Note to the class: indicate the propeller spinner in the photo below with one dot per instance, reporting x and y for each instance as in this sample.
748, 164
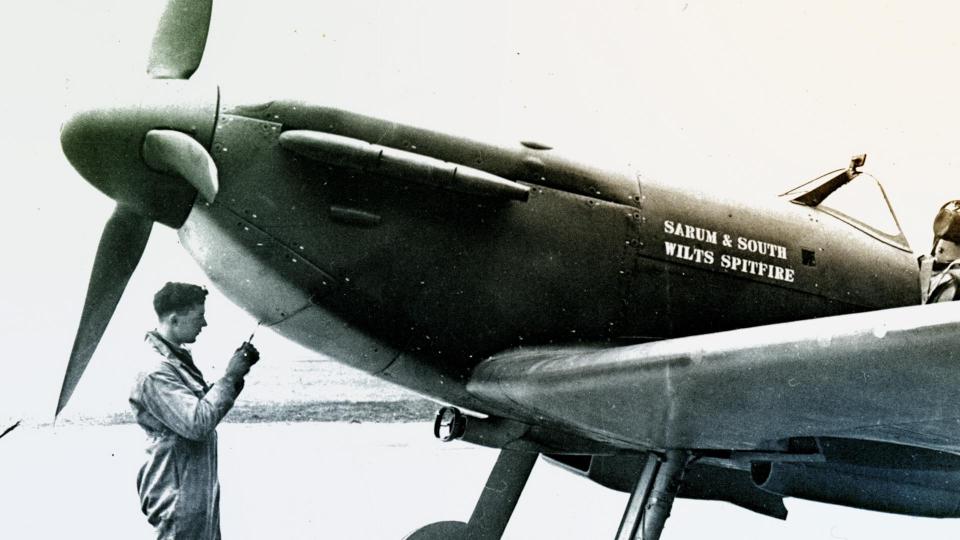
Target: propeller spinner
148, 154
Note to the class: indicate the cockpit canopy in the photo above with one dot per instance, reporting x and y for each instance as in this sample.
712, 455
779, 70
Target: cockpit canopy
856, 198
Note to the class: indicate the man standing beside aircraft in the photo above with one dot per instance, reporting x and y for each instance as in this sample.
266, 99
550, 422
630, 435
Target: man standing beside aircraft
179, 490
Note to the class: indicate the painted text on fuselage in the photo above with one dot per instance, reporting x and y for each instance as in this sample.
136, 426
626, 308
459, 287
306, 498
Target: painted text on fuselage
707, 242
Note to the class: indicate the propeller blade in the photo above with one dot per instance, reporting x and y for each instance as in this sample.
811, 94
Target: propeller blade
180, 39
177, 153
121, 246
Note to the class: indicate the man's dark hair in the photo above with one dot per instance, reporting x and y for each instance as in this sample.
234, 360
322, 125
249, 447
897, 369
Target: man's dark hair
177, 297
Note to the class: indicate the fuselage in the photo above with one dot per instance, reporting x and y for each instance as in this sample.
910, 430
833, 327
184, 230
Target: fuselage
417, 284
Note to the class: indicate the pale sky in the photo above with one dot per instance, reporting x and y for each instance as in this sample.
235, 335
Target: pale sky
750, 98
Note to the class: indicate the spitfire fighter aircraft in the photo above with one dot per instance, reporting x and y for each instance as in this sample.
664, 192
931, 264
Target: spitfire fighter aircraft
645, 337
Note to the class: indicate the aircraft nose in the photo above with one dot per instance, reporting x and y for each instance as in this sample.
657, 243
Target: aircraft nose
146, 150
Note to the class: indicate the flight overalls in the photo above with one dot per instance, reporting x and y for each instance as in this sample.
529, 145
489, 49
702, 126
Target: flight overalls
178, 485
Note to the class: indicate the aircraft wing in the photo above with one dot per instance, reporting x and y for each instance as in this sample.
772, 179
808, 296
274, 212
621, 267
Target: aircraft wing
891, 375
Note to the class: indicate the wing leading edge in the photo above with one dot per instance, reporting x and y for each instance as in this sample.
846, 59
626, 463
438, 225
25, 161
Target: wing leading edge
888, 376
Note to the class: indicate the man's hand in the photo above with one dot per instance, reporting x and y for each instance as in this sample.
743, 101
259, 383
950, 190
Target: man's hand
249, 352
244, 357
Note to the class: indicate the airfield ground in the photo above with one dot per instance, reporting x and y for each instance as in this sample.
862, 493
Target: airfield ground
361, 463
319, 480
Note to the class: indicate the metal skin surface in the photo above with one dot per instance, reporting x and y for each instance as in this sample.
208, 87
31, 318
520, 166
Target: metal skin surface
446, 279
748, 389
441, 280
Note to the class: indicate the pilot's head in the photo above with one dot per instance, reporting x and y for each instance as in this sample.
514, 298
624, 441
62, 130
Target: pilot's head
946, 233
181, 309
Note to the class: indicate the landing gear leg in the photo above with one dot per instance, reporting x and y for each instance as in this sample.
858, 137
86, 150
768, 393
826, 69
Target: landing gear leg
495, 506
651, 500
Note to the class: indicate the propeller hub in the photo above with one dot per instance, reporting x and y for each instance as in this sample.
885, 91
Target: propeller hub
104, 143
